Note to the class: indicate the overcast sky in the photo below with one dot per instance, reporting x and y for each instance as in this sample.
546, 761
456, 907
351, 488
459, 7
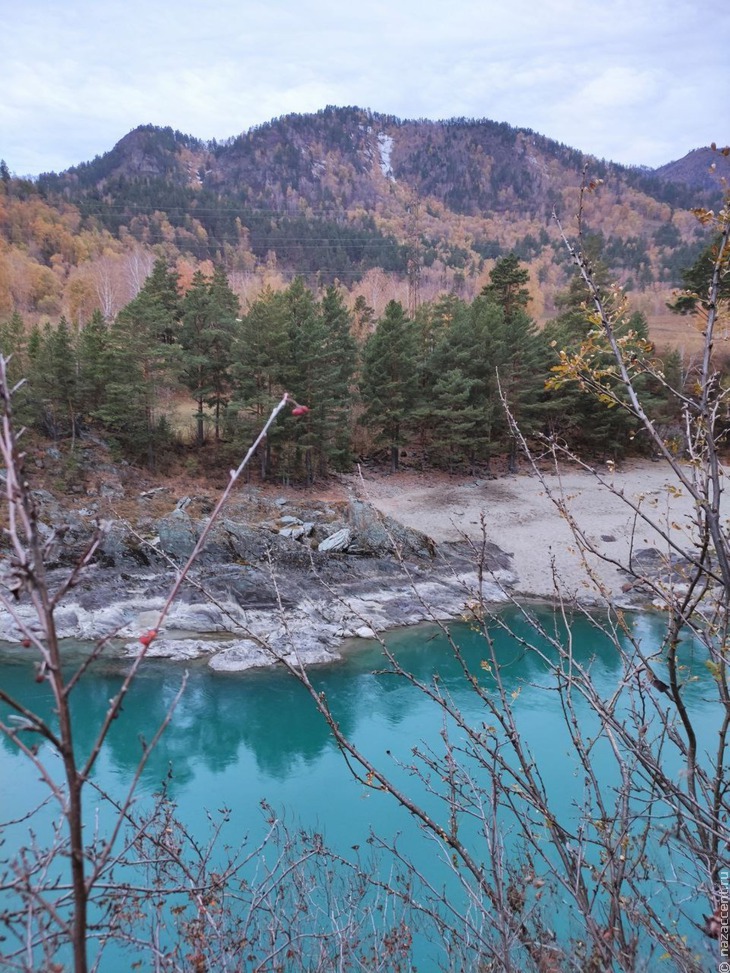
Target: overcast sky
636, 81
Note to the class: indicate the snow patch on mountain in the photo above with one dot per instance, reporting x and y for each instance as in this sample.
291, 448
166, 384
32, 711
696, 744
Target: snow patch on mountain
385, 144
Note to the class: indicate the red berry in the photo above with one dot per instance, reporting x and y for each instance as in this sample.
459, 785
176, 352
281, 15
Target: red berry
148, 637
26, 643
300, 410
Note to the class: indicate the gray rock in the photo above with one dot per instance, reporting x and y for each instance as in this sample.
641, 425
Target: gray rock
378, 535
177, 534
45, 531
113, 490
177, 649
245, 586
197, 618
295, 532
67, 622
45, 498
233, 542
245, 654
252, 575
337, 542
303, 649
119, 548
324, 514
154, 490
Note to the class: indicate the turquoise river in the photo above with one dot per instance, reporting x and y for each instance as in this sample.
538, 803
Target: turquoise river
237, 740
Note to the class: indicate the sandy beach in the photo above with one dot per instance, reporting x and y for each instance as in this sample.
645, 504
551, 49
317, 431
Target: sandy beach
520, 517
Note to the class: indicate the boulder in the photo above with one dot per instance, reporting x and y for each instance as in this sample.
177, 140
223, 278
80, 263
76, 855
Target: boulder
295, 532
337, 542
377, 534
231, 540
178, 535
200, 618
118, 548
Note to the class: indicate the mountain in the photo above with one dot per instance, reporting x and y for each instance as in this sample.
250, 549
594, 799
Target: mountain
346, 189
701, 169
472, 166
345, 194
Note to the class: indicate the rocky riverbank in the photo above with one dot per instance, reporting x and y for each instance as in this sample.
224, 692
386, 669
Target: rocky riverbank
275, 578
304, 573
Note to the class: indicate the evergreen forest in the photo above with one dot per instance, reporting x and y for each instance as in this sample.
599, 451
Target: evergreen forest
185, 371
402, 280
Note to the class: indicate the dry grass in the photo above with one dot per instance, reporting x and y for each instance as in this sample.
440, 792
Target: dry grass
669, 331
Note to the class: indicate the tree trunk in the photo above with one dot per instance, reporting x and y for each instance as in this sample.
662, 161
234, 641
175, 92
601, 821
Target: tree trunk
512, 466
201, 430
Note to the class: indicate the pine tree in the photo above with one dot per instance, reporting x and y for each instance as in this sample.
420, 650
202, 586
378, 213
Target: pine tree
14, 346
696, 281
154, 314
93, 343
225, 308
139, 360
456, 418
195, 318
433, 322
363, 318
389, 382
463, 359
517, 352
519, 360
304, 375
55, 380
506, 285
207, 331
259, 356
340, 363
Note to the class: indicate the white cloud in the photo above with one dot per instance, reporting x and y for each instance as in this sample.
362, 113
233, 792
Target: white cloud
622, 79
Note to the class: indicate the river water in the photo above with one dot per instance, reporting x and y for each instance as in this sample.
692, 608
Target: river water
237, 740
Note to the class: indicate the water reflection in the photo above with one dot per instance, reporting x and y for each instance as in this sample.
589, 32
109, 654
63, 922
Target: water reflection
236, 739
270, 716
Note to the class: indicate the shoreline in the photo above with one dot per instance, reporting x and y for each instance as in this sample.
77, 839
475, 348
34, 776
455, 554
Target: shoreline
522, 520
330, 601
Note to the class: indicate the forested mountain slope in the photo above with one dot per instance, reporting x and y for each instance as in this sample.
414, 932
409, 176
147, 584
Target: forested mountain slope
350, 195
